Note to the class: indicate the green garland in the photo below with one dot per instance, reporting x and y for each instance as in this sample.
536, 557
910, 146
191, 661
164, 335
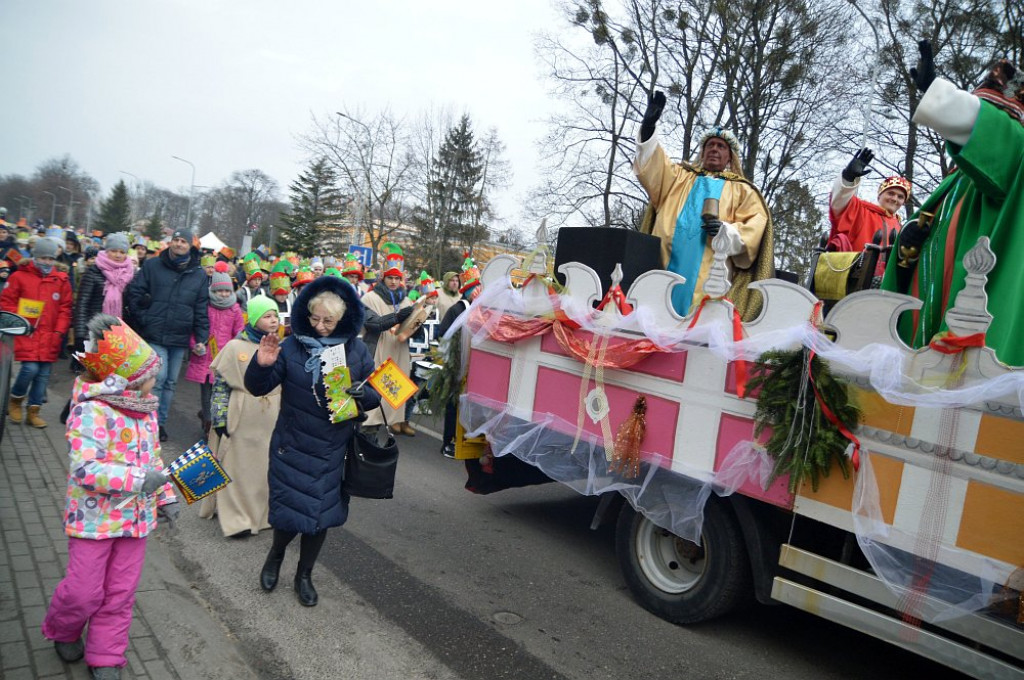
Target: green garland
803, 442
444, 384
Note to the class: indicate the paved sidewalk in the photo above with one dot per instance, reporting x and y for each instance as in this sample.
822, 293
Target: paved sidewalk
173, 634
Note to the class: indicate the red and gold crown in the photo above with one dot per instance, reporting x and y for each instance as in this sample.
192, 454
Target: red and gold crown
304, 276
353, 267
122, 352
895, 181
280, 283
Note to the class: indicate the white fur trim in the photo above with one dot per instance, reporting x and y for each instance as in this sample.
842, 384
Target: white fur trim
644, 150
949, 111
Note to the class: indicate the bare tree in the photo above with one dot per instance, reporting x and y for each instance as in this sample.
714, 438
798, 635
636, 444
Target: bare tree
372, 157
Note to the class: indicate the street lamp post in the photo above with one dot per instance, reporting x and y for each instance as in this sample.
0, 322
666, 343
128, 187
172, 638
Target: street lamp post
875, 68
53, 206
21, 205
71, 203
191, 191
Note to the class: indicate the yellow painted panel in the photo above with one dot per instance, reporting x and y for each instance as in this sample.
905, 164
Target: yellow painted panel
838, 492
1001, 438
993, 523
880, 414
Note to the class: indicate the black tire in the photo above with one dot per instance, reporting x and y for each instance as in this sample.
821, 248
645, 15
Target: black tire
678, 580
6, 366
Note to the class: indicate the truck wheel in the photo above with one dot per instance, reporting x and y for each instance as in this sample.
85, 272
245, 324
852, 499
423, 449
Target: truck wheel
678, 580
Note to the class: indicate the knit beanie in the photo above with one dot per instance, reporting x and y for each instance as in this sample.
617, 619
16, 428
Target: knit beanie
44, 247
221, 281
117, 241
186, 234
258, 306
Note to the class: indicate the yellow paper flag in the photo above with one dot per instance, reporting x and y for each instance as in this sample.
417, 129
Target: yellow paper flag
393, 385
30, 309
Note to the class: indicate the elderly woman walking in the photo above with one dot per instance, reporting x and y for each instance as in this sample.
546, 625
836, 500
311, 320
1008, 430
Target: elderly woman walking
307, 449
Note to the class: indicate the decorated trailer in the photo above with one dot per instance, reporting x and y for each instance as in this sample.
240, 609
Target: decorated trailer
908, 525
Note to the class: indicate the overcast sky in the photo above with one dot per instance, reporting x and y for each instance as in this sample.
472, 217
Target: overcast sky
122, 85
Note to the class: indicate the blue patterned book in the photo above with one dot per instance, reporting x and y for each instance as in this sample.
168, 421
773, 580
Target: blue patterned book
197, 473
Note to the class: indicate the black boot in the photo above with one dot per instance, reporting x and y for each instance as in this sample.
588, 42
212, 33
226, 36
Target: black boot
304, 588
271, 570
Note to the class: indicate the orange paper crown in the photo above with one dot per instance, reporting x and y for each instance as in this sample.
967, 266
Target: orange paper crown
120, 351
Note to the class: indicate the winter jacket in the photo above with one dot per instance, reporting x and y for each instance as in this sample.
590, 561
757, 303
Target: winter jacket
307, 451
225, 324
109, 452
54, 291
89, 300
168, 304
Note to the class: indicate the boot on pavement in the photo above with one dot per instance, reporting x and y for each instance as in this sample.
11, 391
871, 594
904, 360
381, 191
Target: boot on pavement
405, 428
105, 672
304, 588
33, 417
70, 651
14, 409
271, 571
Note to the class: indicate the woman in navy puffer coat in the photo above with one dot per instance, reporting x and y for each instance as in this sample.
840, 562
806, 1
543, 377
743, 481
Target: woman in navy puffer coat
307, 450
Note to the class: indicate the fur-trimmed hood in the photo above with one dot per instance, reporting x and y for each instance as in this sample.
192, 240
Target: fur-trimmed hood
352, 321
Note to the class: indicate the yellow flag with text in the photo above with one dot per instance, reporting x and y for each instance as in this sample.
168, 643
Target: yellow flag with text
392, 384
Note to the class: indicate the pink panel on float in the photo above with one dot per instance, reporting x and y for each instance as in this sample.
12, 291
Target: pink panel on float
731, 431
668, 365
558, 393
489, 375
730, 380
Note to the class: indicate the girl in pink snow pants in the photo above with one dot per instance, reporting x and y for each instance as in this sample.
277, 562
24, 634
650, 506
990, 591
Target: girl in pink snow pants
114, 454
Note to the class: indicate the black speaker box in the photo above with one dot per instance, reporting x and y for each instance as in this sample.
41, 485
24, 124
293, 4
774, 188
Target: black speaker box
601, 248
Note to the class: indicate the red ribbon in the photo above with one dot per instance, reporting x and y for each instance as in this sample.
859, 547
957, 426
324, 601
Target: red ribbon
737, 335
616, 295
831, 417
947, 343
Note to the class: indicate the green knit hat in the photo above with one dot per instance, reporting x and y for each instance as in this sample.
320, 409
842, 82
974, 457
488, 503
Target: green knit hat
258, 306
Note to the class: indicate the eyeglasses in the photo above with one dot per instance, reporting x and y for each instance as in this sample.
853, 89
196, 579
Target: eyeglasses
317, 320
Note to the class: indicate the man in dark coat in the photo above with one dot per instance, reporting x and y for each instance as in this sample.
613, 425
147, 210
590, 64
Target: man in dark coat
307, 450
167, 301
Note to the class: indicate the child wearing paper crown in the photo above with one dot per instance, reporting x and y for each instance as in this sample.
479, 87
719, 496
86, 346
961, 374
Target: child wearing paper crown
243, 424
225, 323
116, 495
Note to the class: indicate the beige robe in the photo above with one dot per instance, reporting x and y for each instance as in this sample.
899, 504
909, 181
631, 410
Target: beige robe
388, 346
243, 505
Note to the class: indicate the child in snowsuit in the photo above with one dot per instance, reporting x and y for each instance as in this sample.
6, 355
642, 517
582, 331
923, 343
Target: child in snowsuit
243, 424
116, 492
225, 323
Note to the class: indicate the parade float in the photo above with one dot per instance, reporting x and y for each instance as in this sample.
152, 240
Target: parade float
816, 462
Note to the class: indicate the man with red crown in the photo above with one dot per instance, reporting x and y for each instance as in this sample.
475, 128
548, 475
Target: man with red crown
856, 222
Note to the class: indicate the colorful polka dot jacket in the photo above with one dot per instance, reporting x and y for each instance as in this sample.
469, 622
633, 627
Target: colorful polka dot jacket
109, 454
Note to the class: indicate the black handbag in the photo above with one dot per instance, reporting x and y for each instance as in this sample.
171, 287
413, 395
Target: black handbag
370, 464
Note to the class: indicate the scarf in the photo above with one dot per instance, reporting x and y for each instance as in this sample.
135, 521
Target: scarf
180, 262
225, 303
251, 333
316, 347
44, 269
386, 294
116, 277
131, 403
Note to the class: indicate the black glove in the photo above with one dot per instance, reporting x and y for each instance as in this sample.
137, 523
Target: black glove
168, 514
222, 431
403, 314
655, 105
356, 392
924, 73
155, 480
858, 165
912, 236
711, 225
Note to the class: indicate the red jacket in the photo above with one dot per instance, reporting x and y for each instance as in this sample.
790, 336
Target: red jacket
54, 291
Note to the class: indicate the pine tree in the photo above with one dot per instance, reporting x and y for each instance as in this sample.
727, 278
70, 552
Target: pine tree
316, 204
115, 212
154, 227
447, 222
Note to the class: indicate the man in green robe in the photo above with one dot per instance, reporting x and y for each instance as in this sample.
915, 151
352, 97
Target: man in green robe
982, 196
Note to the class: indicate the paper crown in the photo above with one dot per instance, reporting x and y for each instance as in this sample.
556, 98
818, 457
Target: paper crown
394, 260
426, 285
120, 351
282, 266
227, 253
470, 275
333, 271
207, 260
895, 181
252, 267
304, 276
280, 283
352, 266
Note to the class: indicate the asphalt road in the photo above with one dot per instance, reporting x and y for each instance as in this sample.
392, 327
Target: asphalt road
441, 583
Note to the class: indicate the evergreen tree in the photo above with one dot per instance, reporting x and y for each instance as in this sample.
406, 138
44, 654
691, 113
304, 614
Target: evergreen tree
316, 204
115, 212
448, 222
154, 226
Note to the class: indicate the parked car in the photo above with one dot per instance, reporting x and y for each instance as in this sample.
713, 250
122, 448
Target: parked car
10, 325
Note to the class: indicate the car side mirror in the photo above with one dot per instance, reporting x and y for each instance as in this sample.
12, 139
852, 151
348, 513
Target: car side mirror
12, 324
